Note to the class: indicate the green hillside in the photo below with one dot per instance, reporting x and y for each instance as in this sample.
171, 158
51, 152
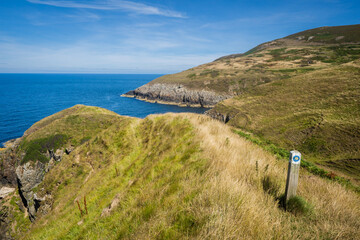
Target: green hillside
297, 54
317, 113
71, 127
174, 176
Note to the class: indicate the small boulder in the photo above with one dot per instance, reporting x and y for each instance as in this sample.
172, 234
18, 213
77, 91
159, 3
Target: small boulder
6, 191
57, 155
68, 150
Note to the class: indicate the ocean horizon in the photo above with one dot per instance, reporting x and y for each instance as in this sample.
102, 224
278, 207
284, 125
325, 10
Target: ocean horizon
29, 97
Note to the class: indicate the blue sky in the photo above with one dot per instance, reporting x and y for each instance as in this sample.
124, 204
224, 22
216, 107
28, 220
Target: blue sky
149, 36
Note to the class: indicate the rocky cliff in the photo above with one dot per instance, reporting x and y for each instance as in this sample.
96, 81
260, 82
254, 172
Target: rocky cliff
9, 161
31, 174
176, 94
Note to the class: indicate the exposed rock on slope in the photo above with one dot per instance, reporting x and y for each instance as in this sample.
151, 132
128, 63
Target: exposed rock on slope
30, 176
176, 94
6, 191
8, 162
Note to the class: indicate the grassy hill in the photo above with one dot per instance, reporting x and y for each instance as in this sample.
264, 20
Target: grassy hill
300, 91
283, 58
71, 127
314, 108
317, 113
174, 176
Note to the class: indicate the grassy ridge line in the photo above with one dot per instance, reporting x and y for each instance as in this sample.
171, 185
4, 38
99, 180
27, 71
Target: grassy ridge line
337, 34
77, 121
283, 154
184, 176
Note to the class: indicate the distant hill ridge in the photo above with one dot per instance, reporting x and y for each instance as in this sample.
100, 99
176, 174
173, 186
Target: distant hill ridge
348, 34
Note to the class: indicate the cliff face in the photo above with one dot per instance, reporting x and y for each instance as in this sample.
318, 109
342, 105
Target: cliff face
176, 94
30, 175
8, 163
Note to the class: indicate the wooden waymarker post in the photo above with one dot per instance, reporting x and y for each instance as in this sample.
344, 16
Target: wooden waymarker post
293, 174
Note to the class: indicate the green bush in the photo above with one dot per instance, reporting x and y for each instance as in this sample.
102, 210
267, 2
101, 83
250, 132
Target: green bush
210, 72
298, 206
35, 149
193, 75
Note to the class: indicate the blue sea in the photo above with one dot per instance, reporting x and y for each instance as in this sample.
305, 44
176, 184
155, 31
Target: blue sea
27, 98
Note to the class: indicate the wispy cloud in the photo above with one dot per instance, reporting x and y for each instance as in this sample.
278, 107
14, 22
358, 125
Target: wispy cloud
82, 57
129, 6
77, 16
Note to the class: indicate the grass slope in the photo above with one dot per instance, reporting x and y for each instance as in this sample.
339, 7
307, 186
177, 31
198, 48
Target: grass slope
317, 113
71, 127
184, 176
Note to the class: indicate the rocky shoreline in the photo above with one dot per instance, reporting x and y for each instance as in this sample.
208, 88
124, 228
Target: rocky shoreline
176, 94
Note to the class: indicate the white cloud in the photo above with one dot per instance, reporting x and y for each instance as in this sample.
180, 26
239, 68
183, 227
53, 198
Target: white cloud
129, 6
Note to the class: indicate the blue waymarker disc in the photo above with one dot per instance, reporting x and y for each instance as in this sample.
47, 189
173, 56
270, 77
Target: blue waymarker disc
296, 158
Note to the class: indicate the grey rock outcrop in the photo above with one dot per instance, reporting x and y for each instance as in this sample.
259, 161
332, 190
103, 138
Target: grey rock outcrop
176, 94
8, 162
68, 150
219, 116
30, 176
57, 155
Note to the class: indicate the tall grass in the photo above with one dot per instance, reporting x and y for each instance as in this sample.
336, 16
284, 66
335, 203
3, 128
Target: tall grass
185, 176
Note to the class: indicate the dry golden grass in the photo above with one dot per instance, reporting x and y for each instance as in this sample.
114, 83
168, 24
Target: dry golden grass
240, 209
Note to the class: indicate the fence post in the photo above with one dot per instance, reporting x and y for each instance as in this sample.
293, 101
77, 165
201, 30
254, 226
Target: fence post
293, 174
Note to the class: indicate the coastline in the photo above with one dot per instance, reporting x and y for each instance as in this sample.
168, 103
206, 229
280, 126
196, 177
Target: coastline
8, 143
177, 94
167, 102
